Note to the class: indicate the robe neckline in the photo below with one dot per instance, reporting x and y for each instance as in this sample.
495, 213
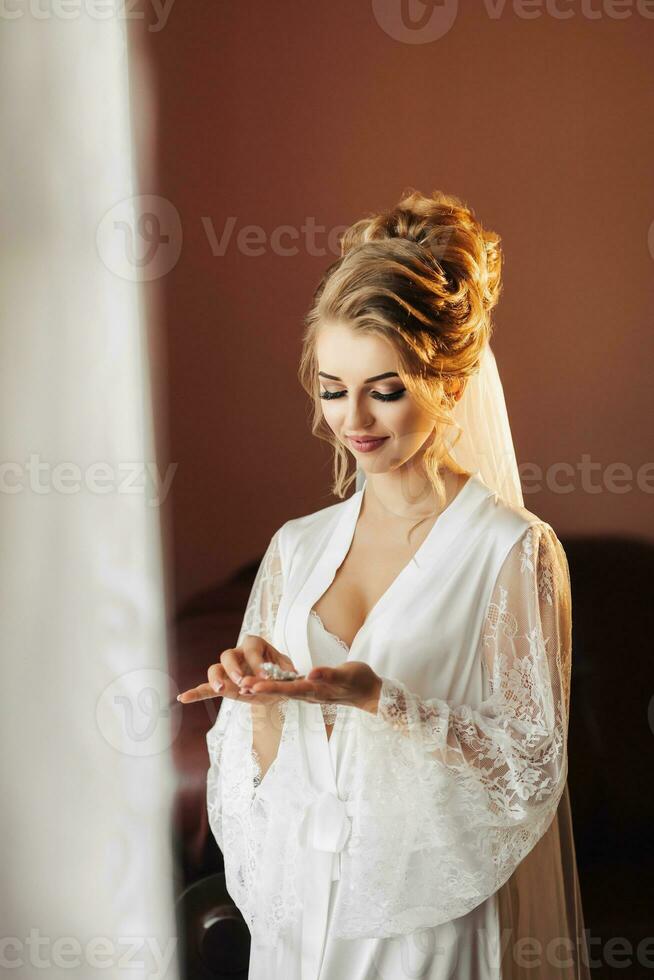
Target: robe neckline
440, 536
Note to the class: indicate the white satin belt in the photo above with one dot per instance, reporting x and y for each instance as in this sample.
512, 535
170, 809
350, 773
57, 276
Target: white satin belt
324, 830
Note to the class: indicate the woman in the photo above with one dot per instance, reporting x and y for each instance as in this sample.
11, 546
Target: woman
401, 807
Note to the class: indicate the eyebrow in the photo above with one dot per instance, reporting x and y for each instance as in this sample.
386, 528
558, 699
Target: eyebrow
377, 377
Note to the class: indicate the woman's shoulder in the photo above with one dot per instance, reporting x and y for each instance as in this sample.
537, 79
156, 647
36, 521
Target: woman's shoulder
523, 542
514, 521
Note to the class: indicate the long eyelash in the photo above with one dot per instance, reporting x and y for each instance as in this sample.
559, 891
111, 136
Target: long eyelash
391, 397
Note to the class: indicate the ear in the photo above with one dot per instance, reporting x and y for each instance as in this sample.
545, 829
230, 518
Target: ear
457, 389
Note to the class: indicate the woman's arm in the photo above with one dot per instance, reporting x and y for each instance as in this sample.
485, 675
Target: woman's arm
514, 745
259, 620
241, 748
252, 731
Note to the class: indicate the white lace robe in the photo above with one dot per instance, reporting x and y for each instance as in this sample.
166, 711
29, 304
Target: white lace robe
428, 808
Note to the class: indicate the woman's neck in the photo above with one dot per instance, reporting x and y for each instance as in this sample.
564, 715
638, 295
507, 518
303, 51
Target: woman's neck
408, 495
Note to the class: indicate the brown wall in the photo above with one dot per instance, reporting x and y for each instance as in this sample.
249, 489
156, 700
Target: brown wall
275, 114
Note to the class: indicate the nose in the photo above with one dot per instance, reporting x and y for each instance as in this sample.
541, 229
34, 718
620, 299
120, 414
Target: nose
358, 416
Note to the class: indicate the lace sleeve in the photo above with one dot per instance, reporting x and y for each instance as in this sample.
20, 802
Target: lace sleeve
245, 736
513, 746
254, 817
485, 781
265, 595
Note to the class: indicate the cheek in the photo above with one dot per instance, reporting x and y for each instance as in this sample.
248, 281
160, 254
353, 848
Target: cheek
332, 413
406, 418
411, 427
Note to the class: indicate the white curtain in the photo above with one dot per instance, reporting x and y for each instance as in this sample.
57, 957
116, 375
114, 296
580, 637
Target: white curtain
85, 723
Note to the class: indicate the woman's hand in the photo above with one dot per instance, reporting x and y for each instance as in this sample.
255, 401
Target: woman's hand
354, 683
224, 679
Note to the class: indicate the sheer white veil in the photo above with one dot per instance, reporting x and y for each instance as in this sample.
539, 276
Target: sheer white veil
485, 445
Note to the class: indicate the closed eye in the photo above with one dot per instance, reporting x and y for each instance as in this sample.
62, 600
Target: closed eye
392, 396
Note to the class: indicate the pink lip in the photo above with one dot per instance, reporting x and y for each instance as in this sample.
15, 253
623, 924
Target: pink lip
366, 445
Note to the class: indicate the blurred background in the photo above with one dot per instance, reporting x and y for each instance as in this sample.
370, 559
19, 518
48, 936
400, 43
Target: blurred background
278, 126
175, 180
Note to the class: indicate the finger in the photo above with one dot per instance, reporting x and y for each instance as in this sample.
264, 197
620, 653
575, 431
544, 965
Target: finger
199, 693
233, 660
258, 656
246, 660
334, 679
330, 675
205, 691
286, 663
292, 689
256, 651
262, 676
219, 680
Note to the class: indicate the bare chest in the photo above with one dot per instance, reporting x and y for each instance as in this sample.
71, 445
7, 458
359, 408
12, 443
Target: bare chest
370, 567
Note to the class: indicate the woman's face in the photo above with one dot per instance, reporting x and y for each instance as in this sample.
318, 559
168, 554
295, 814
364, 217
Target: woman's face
363, 395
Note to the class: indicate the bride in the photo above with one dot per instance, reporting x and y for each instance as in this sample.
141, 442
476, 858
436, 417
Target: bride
388, 778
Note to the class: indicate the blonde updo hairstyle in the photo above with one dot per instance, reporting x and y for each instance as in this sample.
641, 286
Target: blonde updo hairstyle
425, 275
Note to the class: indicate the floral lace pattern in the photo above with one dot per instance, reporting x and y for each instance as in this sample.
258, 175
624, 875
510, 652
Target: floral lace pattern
257, 838
446, 798
501, 767
241, 819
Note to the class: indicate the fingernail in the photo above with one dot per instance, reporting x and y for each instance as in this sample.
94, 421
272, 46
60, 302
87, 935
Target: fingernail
236, 677
217, 685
